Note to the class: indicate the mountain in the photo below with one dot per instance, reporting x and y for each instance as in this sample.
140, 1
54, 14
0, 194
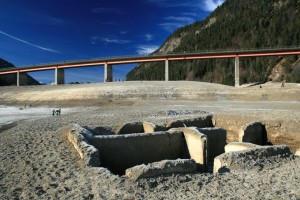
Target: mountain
237, 24
11, 79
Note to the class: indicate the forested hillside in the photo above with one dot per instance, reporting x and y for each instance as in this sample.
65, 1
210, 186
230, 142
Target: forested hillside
237, 24
11, 79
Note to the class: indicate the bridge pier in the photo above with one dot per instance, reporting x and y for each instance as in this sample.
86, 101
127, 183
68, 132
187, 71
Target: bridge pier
166, 70
108, 73
237, 72
59, 76
21, 79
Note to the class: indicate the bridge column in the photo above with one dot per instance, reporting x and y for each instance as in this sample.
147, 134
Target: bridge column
59, 76
21, 79
18, 78
166, 70
108, 75
237, 72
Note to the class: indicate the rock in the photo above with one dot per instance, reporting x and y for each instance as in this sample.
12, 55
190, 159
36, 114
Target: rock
248, 159
163, 167
254, 133
239, 146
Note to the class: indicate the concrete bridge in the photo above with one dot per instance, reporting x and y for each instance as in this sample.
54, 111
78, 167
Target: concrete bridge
109, 62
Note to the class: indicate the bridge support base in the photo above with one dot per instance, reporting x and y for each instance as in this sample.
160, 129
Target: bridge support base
166, 70
59, 76
21, 79
237, 72
108, 73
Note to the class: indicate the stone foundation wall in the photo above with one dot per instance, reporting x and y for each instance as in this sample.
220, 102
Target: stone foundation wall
119, 152
216, 141
77, 136
247, 159
196, 145
254, 133
163, 167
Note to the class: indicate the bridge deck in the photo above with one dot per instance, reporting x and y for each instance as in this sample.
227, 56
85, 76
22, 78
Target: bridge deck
153, 58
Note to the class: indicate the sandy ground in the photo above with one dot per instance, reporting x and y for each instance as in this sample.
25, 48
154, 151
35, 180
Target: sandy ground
37, 162
12, 114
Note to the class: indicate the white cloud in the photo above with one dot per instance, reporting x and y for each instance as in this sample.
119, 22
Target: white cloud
149, 37
174, 23
28, 43
211, 5
171, 26
108, 40
123, 32
146, 49
186, 20
114, 40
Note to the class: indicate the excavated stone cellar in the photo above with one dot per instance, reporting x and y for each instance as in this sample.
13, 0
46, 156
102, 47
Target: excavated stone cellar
144, 149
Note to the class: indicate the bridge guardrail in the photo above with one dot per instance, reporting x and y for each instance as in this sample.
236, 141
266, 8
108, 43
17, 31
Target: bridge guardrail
156, 55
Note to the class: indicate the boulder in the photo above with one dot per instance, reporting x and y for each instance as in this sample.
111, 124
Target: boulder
163, 167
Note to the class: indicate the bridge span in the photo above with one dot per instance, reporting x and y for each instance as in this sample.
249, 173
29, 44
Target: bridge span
109, 62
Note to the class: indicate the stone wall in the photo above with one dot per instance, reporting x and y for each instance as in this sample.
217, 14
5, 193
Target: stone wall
200, 122
216, 141
239, 146
79, 137
164, 167
119, 152
254, 133
247, 159
196, 145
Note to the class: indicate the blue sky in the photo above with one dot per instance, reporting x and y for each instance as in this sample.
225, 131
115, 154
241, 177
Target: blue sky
43, 31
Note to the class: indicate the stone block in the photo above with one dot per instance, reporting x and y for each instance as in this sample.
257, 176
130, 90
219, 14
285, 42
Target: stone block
196, 145
163, 167
254, 133
247, 159
239, 146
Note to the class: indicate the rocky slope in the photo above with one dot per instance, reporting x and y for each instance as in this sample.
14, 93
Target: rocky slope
237, 24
